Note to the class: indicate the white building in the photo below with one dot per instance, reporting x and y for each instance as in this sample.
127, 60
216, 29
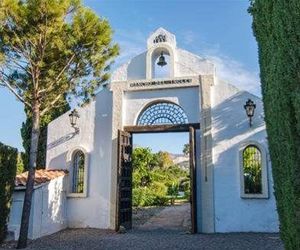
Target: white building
190, 97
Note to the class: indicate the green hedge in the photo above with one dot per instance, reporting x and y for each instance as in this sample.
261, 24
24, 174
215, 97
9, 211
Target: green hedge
8, 166
276, 26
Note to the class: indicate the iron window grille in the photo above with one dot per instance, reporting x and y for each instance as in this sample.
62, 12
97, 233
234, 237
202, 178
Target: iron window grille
78, 172
252, 169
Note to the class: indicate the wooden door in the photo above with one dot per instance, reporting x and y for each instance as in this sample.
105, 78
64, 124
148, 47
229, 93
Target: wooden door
124, 181
193, 179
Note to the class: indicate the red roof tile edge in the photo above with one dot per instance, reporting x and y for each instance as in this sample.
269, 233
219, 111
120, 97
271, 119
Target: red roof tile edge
41, 176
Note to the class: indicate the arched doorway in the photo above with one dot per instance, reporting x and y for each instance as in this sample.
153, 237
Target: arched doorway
156, 117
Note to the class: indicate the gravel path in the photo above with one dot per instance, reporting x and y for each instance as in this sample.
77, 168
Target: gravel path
154, 239
166, 228
171, 217
140, 215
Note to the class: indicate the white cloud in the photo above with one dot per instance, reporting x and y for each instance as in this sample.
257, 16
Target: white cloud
188, 37
235, 73
228, 68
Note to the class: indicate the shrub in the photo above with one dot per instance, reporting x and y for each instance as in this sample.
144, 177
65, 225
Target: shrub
161, 201
137, 196
154, 195
8, 166
173, 192
153, 176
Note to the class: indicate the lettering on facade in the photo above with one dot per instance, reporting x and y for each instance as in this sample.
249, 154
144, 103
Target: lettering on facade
160, 39
156, 83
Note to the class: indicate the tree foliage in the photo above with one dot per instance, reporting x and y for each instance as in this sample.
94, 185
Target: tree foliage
252, 170
53, 48
8, 166
156, 178
186, 149
276, 25
164, 159
20, 163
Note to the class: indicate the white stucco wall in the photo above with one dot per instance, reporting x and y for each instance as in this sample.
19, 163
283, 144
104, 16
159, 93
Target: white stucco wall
95, 138
188, 64
14, 220
136, 68
230, 128
48, 210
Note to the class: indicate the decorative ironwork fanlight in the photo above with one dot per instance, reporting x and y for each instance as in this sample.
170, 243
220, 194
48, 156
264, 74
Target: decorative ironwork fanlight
162, 60
162, 113
250, 108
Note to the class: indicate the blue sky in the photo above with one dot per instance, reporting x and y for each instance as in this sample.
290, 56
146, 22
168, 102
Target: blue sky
217, 29
170, 142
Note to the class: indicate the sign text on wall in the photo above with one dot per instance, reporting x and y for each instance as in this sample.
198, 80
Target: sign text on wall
162, 82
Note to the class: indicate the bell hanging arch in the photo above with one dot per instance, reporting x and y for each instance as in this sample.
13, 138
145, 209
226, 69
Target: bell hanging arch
162, 113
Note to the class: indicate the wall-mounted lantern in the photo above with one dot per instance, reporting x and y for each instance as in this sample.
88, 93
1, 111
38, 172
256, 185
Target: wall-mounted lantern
161, 60
73, 119
250, 108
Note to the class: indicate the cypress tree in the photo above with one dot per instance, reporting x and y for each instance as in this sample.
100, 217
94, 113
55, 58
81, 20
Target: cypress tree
276, 26
26, 134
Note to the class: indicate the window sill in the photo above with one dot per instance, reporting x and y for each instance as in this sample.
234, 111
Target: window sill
75, 195
254, 196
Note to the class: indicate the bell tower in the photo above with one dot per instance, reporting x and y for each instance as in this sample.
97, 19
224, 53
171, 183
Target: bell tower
160, 44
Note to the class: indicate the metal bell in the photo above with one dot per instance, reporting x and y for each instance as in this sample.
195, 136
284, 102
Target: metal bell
161, 61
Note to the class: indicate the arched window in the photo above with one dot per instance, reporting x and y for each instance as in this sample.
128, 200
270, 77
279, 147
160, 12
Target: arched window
254, 172
78, 172
252, 167
162, 113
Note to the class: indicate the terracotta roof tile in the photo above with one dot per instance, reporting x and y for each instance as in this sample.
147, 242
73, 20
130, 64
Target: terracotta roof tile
41, 176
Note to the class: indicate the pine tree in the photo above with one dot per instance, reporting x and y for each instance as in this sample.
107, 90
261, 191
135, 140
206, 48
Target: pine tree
48, 50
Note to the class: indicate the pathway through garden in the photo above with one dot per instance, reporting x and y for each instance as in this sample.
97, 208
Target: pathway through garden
175, 217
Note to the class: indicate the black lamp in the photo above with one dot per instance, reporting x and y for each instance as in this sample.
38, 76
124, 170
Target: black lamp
250, 107
73, 119
161, 61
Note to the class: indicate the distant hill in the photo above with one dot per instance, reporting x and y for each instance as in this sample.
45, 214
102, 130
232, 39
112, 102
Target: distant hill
181, 160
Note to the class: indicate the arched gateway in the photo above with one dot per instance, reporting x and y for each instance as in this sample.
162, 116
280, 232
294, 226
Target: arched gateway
189, 98
158, 116
144, 104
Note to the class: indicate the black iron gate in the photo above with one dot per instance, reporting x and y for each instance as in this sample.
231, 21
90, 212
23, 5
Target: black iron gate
124, 192
192, 136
